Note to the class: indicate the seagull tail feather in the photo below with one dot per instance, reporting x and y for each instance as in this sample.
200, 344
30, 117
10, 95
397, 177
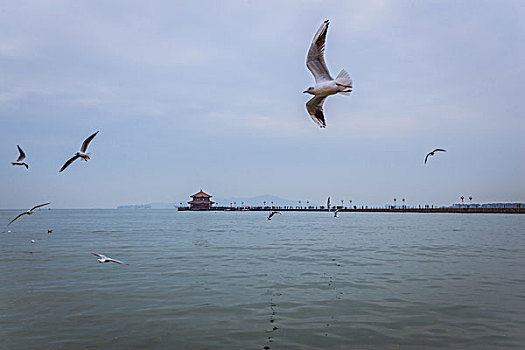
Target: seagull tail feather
343, 78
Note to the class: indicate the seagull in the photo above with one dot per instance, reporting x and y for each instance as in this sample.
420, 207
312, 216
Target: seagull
32, 241
49, 231
82, 154
29, 212
432, 153
105, 259
21, 157
325, 85
273, 213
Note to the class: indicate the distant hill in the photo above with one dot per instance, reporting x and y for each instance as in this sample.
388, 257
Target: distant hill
134, 206
156, 205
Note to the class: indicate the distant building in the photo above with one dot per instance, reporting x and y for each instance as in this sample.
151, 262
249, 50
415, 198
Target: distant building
200, 201
503, 205
489, 205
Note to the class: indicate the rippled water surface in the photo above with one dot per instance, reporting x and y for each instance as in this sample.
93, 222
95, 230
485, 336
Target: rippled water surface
224, 280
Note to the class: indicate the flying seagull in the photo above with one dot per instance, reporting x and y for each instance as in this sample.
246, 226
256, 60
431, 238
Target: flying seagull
273, 213
105, 259
21, 157
82, 154
432, 153
325, 85
29, 212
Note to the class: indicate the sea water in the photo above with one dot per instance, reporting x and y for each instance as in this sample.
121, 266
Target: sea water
235, 280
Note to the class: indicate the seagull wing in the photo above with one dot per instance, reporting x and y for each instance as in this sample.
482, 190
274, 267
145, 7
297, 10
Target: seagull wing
439, 150
19, 215
38, 206
99, 256
116, 261
22, 155
271, 214
86, 142
68, 163
315, 109
428, 154
315, 59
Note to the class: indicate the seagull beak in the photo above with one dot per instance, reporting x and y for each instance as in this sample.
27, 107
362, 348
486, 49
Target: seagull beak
305, 91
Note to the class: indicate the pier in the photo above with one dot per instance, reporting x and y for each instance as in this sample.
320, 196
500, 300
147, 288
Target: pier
373, 210
201, 201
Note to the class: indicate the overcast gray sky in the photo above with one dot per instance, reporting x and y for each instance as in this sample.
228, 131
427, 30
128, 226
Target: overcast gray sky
207, 94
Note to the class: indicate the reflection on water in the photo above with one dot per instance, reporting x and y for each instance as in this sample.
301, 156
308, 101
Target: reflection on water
236, 280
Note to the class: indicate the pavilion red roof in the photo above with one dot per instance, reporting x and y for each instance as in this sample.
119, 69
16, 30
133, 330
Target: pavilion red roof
201, 193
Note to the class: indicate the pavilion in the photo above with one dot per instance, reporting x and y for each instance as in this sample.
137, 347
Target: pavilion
201, 201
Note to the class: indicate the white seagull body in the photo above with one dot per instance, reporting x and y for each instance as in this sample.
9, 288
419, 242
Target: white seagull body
29, 212
325, 85
82, 154
21, 157
105, 259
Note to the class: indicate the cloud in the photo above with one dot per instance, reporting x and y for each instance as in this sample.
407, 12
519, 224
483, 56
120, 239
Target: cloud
169, 81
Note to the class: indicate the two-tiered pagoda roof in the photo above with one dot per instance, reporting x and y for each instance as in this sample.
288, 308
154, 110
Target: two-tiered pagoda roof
201, 197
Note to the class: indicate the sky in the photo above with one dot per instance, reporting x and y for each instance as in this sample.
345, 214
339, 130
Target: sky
208, 94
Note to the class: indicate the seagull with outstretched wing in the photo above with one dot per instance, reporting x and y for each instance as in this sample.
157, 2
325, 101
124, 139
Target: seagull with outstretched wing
29, 212
273, 213
21, 157
433, 152
82, 154
325, 85
105, 259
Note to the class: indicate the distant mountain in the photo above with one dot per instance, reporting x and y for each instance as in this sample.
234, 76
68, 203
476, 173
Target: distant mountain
256, 201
